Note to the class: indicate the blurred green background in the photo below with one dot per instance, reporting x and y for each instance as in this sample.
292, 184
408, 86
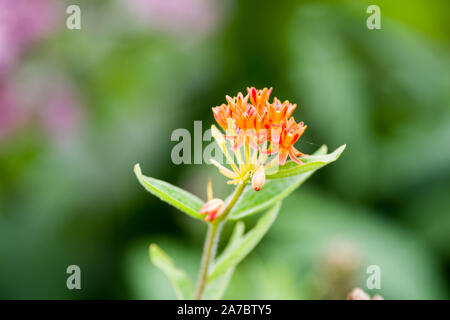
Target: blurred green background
78, 108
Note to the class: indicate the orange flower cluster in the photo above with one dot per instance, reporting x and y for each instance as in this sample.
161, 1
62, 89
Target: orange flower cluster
254, 120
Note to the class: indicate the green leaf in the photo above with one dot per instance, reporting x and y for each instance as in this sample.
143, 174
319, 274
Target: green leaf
180, 282
236, 236
312, 162
177, 197
275, 190
240, 248
216, 288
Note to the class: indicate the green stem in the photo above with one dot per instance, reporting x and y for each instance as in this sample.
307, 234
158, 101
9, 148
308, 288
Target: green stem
211, 240
247, 154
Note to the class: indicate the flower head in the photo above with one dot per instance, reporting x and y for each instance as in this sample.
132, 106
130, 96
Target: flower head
263, 127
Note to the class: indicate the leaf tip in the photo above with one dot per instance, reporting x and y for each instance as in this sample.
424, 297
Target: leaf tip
157, 255
340, 150
137, 169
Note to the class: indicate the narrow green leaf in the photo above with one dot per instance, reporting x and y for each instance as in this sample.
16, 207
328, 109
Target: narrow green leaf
244, 245
177, 197
215, 289
312, 162
275, 190
235, 237
180, 282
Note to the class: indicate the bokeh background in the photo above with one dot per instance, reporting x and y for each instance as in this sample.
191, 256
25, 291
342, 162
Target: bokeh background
78, 108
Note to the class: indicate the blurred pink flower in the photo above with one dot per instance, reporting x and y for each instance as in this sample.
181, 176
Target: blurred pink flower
21, 22
50, 102
61, 114
178, 16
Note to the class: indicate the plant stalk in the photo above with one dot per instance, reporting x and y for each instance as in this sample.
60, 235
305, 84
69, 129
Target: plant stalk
211, 240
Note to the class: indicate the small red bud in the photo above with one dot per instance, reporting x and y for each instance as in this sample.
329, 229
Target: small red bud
213, 209
358, 294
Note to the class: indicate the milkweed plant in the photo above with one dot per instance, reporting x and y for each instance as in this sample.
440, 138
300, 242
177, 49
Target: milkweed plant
257, 138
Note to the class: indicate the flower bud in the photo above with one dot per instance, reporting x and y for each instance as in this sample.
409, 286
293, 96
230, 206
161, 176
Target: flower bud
358, 294
213, 209
258, 179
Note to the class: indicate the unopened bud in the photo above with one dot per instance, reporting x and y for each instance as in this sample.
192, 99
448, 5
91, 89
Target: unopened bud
358, 294
213, 209
258, 179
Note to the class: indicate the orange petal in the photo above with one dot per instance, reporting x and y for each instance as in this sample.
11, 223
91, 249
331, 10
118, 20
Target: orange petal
293, 157
282, 156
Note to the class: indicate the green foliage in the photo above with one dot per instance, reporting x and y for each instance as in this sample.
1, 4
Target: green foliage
241, 247
177, 197
216, 288
383, 92
181, 283
275, 190
279, 186
313, 162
